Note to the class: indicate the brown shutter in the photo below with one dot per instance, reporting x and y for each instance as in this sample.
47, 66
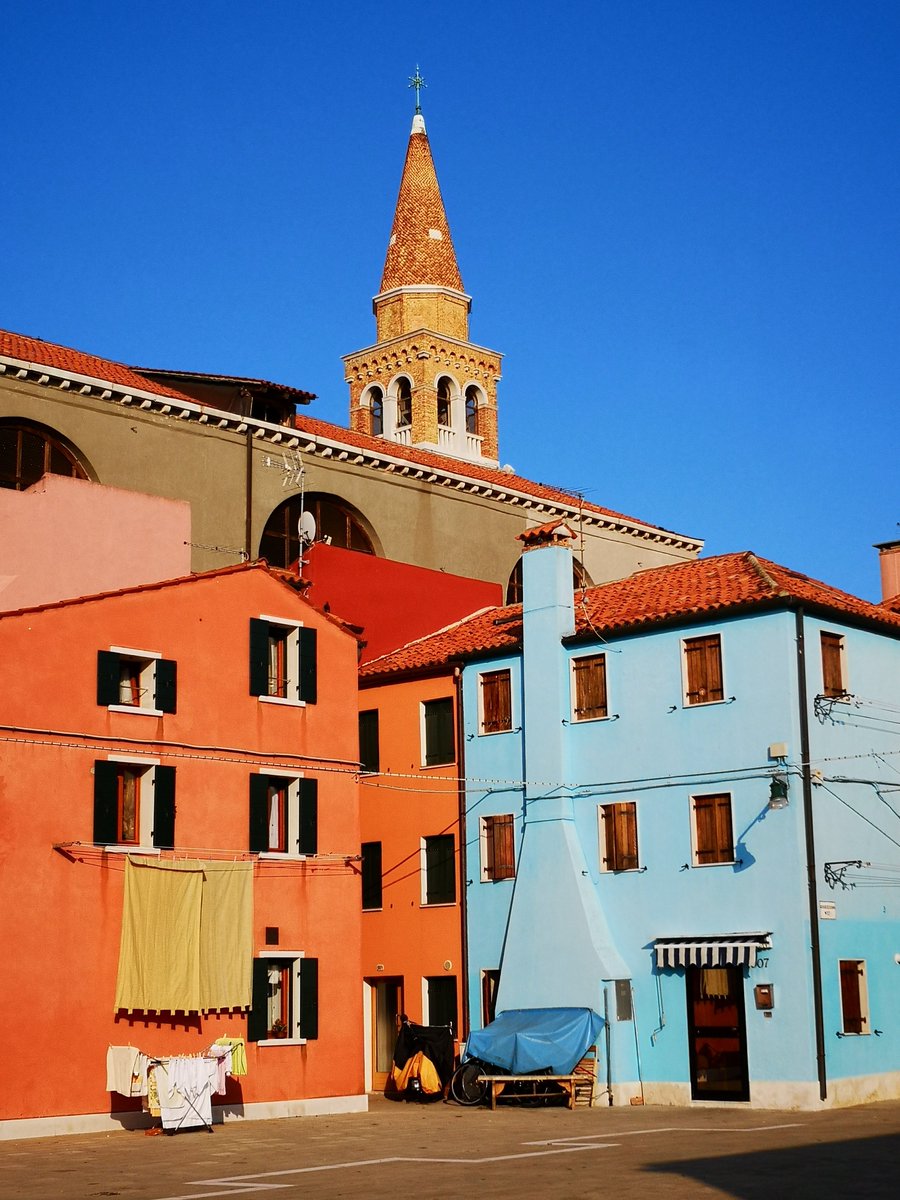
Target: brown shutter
500, 857
851, 1001
590, 687
703, 658
620, 836
713, 831
832, 665
496, 702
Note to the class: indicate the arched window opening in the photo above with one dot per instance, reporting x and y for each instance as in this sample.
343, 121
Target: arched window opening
376, 411
471, 409
443, 402
580, 579
404, 402
28, 452
280, 542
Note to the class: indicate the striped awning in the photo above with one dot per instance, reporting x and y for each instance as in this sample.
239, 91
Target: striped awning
718, 950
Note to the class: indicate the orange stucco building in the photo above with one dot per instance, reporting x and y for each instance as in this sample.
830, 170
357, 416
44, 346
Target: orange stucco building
198, 721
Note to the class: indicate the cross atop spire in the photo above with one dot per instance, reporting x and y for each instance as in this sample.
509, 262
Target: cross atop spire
416, 81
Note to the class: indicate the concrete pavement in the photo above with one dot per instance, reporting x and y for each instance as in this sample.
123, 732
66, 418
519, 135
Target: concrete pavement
442, 1150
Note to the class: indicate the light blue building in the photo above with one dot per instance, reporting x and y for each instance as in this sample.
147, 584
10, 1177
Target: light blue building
683, 810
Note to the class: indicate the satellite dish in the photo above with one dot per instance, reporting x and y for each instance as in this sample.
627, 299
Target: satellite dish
306, 528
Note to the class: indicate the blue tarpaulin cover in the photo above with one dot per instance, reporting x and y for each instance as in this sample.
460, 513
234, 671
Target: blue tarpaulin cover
525, 1040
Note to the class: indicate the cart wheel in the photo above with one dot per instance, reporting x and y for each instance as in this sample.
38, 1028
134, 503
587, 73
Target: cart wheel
467, 1085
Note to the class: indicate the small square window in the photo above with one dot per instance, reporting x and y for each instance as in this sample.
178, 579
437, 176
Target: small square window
589, 688
713, 837
285, 1002
439, 869
135, 681
283, 815
703, 670
618, 837
438, 734
496, 701
498, 856
283, 665
134, 804
833, 682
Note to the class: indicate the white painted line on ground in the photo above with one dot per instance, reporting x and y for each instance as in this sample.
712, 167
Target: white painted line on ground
242, 1185
623, 1133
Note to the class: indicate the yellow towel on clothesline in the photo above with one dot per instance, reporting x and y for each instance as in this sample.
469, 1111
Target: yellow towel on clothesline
238, 1053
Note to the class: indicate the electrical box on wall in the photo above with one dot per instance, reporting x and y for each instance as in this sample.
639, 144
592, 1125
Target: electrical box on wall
764, 995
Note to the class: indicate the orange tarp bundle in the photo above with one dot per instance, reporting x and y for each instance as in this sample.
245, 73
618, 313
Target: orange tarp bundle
418, 1067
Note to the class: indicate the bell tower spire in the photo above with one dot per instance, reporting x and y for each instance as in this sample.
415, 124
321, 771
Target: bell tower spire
424, 383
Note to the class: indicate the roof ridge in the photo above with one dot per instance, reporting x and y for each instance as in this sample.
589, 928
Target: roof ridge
433, 633
764, 575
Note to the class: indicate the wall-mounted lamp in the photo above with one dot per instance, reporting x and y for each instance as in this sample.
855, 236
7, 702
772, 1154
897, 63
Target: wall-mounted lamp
778, 793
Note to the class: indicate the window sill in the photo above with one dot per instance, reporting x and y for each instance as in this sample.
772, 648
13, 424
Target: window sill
641, 870
291, 1041
500, 879
494, 732
280, 856
439, 904
588, 720
120, 849
371, 910
284, 701
136, 709
728, 862
435, 766
702, 703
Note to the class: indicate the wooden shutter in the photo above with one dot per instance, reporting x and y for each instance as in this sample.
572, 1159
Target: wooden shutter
107, 677
499, 834
166, 672
309, 999
368, 740
439, 732
259, 813
164, 807
851, 1000
703, 657
589, 675
307, 675
371, 875
308, 821
713, 831
258, 1016
259, 657
106, 802
496, 706
440, 873
625, 825
832, 665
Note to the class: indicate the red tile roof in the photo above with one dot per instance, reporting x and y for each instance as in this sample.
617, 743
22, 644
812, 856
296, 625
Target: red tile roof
541, 535
75, 362
420, 250
497, 479
700, 589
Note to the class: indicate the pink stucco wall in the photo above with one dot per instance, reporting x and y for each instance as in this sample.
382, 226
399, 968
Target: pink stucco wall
70, 537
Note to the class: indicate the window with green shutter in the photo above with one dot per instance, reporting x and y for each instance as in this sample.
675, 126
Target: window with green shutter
439, 884
438, 732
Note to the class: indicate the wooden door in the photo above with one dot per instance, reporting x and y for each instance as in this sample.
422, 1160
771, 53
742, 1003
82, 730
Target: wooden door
387, 1005
717, 1033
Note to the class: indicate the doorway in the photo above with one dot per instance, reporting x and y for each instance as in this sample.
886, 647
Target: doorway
387, 1005
717, 1034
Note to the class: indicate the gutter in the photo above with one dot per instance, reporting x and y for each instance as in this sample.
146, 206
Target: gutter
814, 943
463, 895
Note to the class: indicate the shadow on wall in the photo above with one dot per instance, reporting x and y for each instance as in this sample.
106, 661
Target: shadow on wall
861, 1167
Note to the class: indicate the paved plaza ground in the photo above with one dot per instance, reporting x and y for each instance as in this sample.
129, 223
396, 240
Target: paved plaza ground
406, 1151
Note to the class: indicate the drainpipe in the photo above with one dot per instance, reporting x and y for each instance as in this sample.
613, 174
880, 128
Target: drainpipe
248, 492
815, 947
463, 895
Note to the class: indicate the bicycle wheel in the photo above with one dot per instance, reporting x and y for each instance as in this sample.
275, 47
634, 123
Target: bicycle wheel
467, 1085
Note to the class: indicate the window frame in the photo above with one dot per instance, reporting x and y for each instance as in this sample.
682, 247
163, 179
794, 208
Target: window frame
427, 876
155, 804
497, 675
300, 816
303, 1003
687, 702
575, 670
493, 868
695, 831
833, 659
861, 1015
424, 706
609, 823
156, 677
446, 983
369, 740
300, 651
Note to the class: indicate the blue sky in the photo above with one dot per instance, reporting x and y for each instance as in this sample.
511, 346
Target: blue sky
678, 221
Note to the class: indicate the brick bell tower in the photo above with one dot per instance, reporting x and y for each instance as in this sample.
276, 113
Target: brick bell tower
424, 383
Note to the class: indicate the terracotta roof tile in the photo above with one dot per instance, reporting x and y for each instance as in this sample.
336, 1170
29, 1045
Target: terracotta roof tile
420, 250
700, 589
62, 358
539, 535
